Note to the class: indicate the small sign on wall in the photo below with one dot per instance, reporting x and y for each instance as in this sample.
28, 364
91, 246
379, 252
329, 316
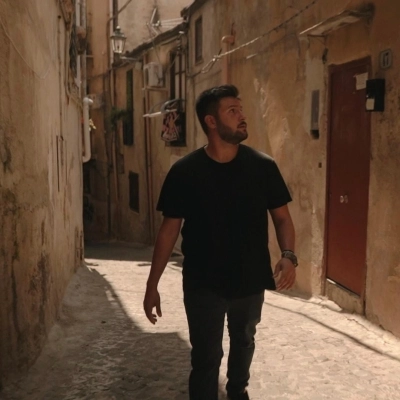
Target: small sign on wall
361, 81
315, 114
386, 59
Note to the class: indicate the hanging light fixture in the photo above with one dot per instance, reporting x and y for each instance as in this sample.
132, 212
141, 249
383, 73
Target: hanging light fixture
118, 40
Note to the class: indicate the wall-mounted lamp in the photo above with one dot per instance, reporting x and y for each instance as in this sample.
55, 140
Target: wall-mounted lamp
118, 40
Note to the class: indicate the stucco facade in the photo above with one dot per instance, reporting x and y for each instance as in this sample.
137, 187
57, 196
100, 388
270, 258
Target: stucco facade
143, 20
150, 156
283, 70
108, 213
40, 174
276, 75
97, 175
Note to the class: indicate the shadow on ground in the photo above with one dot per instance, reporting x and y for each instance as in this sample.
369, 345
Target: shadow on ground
122, 252
96, 351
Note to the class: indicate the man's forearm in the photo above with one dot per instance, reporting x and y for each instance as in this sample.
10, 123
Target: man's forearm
166, 239
285, 234
283, 227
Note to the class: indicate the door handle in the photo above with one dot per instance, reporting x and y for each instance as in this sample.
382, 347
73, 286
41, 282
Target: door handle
344, 199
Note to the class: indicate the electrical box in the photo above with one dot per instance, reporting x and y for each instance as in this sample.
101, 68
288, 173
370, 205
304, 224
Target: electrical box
154, 74
375, 95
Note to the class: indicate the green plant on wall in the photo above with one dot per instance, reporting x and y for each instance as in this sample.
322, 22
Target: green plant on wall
117, 114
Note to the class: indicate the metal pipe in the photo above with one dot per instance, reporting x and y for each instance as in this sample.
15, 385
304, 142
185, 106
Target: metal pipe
148, 157
84, 55
86, 130
226, 41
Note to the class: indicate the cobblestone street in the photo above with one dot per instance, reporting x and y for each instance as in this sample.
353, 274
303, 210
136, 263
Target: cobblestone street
103, 347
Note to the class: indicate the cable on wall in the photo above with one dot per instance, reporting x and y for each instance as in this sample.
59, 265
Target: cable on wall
40, 76
276, 28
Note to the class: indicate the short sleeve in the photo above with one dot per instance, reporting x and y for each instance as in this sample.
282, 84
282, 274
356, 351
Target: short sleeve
172, 198
278, 193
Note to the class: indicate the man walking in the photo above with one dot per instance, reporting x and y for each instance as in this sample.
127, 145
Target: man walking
223, 193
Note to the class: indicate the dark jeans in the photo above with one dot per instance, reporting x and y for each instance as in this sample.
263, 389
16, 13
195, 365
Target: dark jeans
205, 312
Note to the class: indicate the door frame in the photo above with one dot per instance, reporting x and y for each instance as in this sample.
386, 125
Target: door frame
331, 70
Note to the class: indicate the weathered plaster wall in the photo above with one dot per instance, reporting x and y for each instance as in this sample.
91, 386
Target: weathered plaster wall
276, 76
383, 251
272, 88
134, 19
136, 226
97, 221
213, 31
282, 71
354, 42
133, 226
40, 178
108, 211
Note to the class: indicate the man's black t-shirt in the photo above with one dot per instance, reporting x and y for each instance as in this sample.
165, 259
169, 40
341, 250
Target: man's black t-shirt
225, 230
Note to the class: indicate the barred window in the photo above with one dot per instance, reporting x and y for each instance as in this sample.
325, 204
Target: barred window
198, 40
73, 50
128, 131
178, 91
134, 191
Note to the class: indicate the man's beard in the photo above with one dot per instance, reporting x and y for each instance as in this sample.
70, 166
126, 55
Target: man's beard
229, 135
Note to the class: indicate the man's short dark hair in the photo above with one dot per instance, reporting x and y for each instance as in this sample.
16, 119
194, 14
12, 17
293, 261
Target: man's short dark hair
208, 101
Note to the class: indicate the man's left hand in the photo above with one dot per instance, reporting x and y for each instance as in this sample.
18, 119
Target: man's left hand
286, 272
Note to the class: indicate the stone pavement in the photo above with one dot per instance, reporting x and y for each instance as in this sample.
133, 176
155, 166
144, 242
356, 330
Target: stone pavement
104, 348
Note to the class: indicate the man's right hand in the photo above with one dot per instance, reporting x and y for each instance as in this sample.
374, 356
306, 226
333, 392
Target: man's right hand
151, 300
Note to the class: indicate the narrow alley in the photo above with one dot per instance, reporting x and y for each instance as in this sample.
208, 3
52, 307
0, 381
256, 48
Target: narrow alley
103, 347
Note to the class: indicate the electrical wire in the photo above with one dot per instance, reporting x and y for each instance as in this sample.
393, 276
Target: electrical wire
207, 68
40, 76
276, 28
119, 11
154, 45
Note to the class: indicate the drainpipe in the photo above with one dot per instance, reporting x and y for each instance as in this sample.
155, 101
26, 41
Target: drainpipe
83, 56
148, 156
86, 130
86, 101
225, 42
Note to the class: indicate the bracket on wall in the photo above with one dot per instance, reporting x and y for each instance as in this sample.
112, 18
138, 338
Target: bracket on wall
168, 106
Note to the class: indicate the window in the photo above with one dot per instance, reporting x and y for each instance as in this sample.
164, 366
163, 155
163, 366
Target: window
198, 40
128, 138
134, 191
73, 51
176, 121
177, 75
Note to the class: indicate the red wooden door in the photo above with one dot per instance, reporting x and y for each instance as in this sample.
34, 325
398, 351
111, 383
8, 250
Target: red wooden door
348, 176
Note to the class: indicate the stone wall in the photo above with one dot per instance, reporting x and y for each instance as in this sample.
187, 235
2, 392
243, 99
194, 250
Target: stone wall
40, 176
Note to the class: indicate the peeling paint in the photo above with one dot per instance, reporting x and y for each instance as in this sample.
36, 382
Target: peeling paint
37, 250
5, 153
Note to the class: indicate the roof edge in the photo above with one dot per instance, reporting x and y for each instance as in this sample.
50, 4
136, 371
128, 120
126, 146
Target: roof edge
189, 10
159, 39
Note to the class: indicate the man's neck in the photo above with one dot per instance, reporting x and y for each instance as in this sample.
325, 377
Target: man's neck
221, 152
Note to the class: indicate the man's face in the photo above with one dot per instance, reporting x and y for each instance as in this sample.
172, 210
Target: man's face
231, 124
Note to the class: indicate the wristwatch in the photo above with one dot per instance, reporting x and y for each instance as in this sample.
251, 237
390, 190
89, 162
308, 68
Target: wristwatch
291, 256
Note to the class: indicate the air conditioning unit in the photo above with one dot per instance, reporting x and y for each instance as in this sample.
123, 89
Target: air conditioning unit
153, 74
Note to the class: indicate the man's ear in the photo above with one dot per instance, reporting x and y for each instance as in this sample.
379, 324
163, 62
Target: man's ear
210, 121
